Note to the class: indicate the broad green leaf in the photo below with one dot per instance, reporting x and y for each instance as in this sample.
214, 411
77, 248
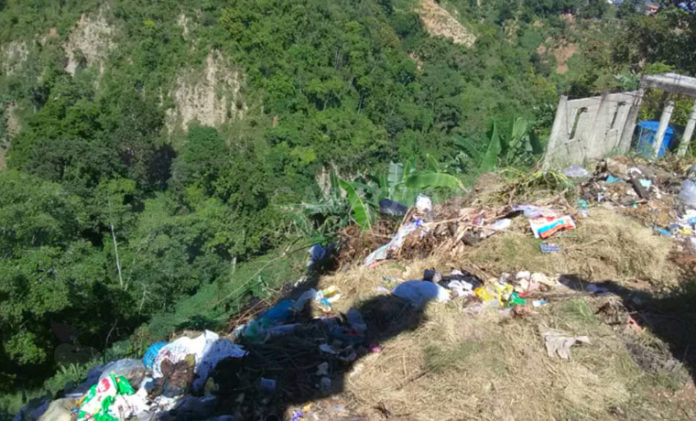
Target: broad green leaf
519, 129
432, 162
333, 180
469, 147
490, 159
409, 167
360, 211
396, 174
428, 179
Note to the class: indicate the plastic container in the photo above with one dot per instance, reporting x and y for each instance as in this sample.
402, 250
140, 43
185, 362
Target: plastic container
646, 137
687, 194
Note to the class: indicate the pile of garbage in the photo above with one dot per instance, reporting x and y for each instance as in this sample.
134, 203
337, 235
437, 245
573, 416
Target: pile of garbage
200, 376
141, 388
661, 197
296, 350
448, 228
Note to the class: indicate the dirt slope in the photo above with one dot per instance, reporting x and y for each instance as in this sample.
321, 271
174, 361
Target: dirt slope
439, 22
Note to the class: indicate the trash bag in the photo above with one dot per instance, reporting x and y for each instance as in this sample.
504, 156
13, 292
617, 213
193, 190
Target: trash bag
317, 253
418, 293
423, 204
396, 242
59, 410
687, 194
256, 330
177, 377
207, 350
133, 370
33, 410
390, 207
559, 343
100, 401
151, 353
576, 171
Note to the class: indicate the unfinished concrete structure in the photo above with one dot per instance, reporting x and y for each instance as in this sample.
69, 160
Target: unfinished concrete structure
591, 128
674, 84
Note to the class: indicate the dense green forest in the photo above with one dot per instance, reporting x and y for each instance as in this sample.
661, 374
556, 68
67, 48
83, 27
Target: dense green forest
153, 149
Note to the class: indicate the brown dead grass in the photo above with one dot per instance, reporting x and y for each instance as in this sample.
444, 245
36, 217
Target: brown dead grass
491, 366
605, 246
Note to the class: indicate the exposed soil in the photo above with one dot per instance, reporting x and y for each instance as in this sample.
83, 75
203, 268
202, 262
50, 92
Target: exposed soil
439, 22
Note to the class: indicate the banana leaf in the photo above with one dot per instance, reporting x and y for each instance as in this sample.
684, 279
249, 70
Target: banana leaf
361, 213
428, 179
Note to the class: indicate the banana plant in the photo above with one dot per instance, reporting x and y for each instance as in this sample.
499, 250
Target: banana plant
516, 144
401, 183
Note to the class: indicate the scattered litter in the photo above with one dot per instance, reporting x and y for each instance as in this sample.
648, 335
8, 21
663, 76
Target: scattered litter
531, 211
269, 385
104, 401
418, 293
539, 303
208, 349
549, 248
396, 242
423, 204
662, 231
524, 274
633, 324
323, 369
325, 383
58, 410
576, 171
559, 343
328, 349
545, 227
356, 321
432, 275
382, 290
484, 294
611, 179
687, 194
151, 354
131, 369
317, 253
392, 208
542, 279
303, 299
461, 288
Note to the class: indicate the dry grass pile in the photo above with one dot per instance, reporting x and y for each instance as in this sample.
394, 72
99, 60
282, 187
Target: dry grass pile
605, 246
465, 363
490, 365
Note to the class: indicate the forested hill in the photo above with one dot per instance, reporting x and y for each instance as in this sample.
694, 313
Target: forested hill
150, 147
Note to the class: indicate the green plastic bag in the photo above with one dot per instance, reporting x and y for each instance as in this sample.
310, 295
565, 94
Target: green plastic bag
96, 404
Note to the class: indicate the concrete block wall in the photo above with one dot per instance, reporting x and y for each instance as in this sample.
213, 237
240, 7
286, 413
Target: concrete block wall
591, 128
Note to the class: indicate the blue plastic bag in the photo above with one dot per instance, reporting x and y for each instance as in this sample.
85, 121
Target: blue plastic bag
151, 354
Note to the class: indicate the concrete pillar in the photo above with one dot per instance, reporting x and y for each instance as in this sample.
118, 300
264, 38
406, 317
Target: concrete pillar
559, 131
688, 132
662, 128
630, 124
601, 123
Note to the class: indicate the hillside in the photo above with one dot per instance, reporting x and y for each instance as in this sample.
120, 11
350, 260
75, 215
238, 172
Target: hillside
613, 281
